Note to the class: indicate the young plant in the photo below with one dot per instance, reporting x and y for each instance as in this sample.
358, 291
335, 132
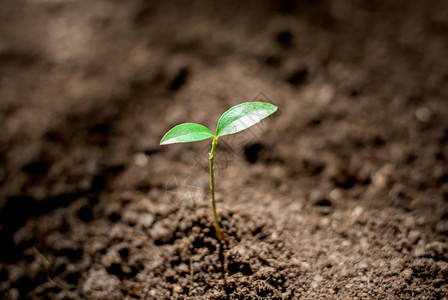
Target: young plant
236, 119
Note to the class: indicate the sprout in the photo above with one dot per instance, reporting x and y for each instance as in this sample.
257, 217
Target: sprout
236, 119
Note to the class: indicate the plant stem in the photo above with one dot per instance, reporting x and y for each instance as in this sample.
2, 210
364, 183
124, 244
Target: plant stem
212, 189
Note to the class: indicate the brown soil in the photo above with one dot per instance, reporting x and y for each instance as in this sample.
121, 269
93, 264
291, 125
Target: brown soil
341, 194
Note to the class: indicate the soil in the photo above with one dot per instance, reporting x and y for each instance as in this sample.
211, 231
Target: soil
343, 193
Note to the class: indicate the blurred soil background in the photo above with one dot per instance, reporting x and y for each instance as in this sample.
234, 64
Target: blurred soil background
341, 194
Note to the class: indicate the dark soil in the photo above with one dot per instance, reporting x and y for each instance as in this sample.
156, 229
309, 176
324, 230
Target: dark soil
341, 194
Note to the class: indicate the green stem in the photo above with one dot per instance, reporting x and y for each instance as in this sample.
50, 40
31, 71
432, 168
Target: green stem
212, 189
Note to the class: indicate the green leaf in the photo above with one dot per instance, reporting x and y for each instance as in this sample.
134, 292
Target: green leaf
186, 132
243, 116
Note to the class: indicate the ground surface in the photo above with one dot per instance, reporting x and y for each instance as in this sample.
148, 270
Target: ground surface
342, 194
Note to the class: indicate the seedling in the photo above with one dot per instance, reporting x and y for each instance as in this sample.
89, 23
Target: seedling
236, 119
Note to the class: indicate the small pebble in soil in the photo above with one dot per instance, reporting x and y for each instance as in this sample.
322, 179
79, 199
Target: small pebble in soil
420, 250
423, 114
442, 227
160, 234
335, 194
382, 178
100, 285
146, 220
177, 289
407, 274
357, 212
363, 265
362, 278
141, 159
318, 278
414, 236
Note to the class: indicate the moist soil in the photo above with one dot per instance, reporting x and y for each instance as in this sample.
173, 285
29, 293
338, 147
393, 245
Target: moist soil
343, 193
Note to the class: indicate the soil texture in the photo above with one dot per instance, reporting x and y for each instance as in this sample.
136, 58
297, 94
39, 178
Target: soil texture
342, 194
